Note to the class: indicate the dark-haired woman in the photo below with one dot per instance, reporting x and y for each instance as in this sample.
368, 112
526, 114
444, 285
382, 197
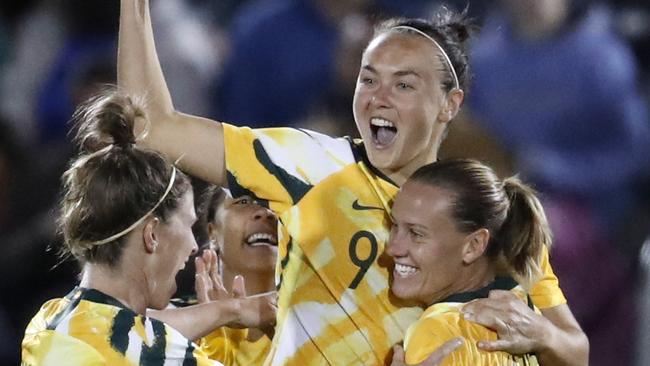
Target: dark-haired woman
459, 232
333, 195
126, 216
245, 236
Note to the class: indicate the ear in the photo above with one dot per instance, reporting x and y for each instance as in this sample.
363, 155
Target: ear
213, 236
451, 106
475, 245
149, 235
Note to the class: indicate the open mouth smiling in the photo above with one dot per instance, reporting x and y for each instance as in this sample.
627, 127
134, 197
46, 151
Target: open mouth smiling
260, 239
383, 132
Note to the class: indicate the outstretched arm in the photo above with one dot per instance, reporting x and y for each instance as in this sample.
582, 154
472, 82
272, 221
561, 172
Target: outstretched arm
199, 320
199, 141
555, 336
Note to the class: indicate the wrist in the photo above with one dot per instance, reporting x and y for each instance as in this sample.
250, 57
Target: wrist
547, 340
234, 309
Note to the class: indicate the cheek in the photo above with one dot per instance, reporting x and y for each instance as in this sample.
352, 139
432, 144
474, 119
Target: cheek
358, 103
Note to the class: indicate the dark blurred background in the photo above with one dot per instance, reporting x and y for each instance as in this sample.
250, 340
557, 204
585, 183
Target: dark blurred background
560, 96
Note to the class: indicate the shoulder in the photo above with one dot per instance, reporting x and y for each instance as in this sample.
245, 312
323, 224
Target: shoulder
289, 146
436, 326
49, 347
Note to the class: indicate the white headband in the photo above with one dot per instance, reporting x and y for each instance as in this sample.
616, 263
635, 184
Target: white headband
140, 220
444, 54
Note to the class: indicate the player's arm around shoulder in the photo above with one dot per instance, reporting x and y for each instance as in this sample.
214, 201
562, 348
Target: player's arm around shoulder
555, 335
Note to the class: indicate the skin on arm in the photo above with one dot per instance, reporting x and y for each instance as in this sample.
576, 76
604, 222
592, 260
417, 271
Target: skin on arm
199, 320
199, 141
555, 336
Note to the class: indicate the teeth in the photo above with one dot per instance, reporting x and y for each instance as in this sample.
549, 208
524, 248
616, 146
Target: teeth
261, 239
380, 122
405, 271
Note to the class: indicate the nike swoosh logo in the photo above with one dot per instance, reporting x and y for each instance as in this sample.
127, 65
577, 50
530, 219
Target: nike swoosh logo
357, 206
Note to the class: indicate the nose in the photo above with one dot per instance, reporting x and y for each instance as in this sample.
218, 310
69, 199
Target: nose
263, 213
379, 98
396, 247
195, 246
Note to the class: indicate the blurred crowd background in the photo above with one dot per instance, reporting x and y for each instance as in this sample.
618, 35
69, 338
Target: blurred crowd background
559, 95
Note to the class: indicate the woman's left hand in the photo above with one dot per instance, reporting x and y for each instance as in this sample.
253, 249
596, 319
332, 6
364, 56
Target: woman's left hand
520, 329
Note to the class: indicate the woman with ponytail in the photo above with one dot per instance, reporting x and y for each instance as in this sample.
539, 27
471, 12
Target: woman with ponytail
458, 233
126, 216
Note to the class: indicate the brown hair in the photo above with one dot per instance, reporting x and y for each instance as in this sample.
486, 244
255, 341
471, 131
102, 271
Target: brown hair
451, 30
509, 209
112, 183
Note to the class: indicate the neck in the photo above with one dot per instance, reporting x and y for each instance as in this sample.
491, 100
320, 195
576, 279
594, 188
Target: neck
127, 289
257, 282
399, 176
473, 277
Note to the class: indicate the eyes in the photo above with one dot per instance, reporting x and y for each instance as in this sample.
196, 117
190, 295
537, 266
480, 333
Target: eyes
404, 86
245, 200
367, 81
399, 85
412, 232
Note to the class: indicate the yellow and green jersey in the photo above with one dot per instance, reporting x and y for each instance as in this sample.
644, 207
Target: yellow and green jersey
88, 327
443, 321
233, 348
335, 305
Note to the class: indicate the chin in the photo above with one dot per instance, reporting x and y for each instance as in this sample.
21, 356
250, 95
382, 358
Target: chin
401, 293
381, 159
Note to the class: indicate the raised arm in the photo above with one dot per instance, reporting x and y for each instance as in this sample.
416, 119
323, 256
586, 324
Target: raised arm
199, 141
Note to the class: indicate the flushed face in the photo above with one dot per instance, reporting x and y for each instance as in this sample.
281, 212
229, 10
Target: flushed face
425, 244
398, 100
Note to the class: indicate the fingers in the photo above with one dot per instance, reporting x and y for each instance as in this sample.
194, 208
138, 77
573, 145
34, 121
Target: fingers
214, 269
201, 289
497, 345
500, 309
206, 256
442, 352
199, 265
398, 356
238, 287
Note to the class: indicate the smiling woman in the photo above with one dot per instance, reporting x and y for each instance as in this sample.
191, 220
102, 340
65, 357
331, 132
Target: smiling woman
458, 233
332, 195
245, 236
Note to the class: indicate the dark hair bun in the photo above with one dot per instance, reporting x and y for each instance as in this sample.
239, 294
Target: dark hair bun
457, 25
106, 119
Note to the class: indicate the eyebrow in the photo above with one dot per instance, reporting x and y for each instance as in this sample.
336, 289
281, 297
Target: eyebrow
396, 73
406, 73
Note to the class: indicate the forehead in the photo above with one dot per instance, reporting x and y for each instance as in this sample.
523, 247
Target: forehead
421, 203
398, 51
